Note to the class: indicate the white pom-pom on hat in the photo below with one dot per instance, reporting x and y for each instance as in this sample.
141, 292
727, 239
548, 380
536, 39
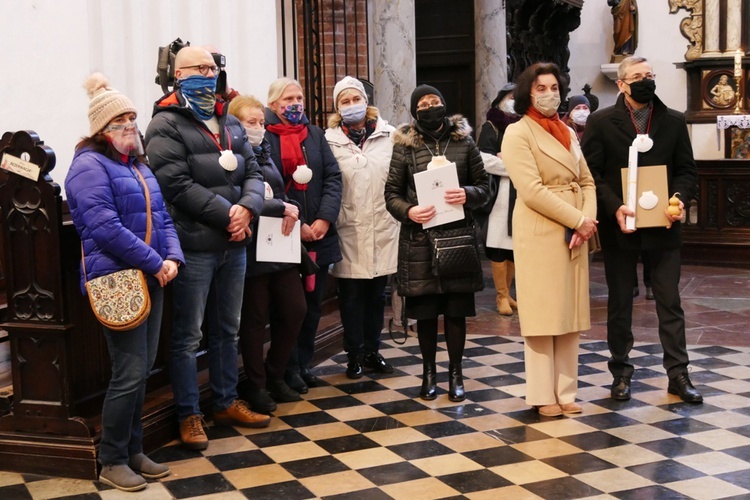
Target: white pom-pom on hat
106, 103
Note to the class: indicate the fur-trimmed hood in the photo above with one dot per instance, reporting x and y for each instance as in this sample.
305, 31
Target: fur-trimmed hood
407, 134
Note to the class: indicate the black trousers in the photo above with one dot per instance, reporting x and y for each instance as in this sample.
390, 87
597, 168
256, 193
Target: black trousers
279, 299
619, 268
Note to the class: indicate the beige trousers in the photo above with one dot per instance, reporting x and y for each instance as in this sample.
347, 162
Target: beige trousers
551, 369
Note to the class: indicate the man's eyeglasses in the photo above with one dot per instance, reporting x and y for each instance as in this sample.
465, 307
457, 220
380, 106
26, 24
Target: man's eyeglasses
203, 69
638, 77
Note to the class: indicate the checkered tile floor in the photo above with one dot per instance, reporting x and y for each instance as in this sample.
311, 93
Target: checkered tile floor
374, 438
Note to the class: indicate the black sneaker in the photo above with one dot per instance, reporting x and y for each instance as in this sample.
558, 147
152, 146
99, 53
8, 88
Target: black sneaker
376, 362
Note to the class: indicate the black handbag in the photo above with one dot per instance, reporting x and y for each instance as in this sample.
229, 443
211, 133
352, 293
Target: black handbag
455, 252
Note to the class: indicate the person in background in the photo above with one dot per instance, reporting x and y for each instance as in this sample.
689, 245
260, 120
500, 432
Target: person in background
273, 290
606, 143
214, 189
495, 217
428, 296
578, 112
106, 190
553, 220
362, 143
312, 179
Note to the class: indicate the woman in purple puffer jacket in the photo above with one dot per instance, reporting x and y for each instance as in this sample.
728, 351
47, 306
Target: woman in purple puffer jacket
105, 191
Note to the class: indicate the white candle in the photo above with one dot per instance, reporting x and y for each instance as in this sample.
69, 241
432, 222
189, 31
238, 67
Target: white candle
632, 185
738, 63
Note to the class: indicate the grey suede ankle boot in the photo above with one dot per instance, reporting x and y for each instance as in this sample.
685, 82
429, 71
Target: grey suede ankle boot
148, 468
121, 477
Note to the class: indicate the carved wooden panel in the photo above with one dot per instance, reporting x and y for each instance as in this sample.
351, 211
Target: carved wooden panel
720, 231
31, 213
539, 30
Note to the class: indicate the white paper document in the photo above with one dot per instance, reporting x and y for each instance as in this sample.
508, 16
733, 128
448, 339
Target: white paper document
273, 246
431, 186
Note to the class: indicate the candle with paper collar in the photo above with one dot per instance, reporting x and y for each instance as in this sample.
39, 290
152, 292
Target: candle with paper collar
738, 63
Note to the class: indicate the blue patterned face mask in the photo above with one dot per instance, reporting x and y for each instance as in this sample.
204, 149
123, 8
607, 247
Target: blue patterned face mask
293, 113
199, 90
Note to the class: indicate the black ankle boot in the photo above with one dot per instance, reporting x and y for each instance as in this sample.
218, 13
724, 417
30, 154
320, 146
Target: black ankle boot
455, 383
429, 382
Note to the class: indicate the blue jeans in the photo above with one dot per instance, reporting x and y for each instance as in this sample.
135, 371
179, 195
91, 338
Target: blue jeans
211, 285
132, 354
362, 305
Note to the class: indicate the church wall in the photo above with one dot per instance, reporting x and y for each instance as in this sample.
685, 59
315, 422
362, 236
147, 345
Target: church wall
659, 41
50, 46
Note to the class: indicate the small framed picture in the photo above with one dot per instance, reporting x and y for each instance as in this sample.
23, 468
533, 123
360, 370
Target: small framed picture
719, 89
737, 143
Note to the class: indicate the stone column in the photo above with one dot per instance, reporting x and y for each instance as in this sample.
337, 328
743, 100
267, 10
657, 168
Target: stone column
491, 54
393, 57
711, 22
734, 26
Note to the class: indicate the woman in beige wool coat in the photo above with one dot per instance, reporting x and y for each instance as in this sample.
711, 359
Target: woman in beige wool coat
553, 220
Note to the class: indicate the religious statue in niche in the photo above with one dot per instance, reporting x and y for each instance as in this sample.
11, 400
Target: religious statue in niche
722, 94
625, 28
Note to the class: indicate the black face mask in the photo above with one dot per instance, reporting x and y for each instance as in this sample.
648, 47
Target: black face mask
643, 91
432, 117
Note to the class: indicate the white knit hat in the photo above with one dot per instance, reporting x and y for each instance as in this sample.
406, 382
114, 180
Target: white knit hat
347, 82
106, 103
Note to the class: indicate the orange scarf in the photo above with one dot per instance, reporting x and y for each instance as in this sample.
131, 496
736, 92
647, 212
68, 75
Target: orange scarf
553, 125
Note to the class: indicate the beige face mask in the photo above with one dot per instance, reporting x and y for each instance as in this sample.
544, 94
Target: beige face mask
547, 103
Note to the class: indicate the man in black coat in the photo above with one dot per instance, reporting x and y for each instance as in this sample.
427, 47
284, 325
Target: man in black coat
609, 134
213, 189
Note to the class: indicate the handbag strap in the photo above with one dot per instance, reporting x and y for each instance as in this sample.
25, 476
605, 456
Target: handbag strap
147, 239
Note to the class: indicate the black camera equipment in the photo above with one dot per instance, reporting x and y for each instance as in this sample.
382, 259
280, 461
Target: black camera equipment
165, 66
221, 80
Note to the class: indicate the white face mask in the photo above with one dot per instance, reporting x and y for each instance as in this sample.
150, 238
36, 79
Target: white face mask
579, 116
255, 135
507, 107
547, 103
354, 114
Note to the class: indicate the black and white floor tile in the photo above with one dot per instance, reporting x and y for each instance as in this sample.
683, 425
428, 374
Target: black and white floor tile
374, 438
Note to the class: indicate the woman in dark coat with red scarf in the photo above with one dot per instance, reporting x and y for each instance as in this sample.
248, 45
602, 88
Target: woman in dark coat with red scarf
312, 179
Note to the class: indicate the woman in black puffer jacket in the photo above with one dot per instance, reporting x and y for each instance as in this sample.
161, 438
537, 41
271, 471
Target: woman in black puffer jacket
427, 296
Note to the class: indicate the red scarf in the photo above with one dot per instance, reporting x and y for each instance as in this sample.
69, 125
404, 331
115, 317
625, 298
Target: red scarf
553, 125
291, 150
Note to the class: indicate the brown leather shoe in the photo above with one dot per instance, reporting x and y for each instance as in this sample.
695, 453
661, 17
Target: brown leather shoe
239, 414
191, 433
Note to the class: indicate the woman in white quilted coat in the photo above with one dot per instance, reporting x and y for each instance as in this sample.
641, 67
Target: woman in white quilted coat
362, 143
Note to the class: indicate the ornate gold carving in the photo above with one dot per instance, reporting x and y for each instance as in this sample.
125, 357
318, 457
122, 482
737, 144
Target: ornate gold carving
691, 27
